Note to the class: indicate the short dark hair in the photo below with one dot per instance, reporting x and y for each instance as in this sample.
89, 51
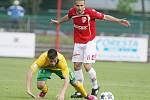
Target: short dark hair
52, 54
79, 0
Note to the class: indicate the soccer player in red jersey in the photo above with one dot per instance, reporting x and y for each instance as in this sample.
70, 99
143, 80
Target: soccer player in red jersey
84, 20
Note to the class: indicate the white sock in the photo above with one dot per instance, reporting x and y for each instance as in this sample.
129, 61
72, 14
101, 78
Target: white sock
92, 75
79, 75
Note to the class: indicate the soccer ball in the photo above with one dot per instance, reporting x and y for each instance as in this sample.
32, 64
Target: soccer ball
106, 96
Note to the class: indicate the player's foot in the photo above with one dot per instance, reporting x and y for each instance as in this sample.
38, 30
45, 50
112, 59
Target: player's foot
95, 91
91, 97
76, 95
41, 95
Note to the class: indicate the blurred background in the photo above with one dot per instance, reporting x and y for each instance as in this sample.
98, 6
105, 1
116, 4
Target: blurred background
36, 14
25, 32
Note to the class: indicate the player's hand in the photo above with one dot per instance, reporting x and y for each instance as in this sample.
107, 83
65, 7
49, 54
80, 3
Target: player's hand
124, 22
30, 94
60, 97
54, 21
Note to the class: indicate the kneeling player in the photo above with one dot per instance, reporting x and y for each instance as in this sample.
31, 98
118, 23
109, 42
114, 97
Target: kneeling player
53, 62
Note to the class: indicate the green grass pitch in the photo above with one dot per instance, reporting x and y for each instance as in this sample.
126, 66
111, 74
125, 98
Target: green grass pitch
127, 81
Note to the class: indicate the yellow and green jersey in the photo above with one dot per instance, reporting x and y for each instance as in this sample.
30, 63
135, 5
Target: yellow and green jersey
43, 63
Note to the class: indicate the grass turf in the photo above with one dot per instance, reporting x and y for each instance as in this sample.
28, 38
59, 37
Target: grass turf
127, 81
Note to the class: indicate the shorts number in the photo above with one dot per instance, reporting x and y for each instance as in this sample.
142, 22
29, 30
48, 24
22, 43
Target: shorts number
91, 57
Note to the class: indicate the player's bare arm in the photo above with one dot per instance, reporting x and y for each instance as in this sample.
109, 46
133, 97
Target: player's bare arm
114, 19
61, 95
63, 19
28, 83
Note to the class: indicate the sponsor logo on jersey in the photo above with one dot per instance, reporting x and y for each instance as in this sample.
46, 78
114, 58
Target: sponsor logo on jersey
84, 19
80, 27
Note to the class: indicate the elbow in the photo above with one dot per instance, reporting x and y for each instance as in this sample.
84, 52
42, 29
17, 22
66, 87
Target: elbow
66, 81
29, 73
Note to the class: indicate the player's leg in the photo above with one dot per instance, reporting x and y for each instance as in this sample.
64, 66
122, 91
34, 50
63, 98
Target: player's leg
78, 72
89, 58
77, 59
42, 77
41, 85
77, 85
79, 77
93, 79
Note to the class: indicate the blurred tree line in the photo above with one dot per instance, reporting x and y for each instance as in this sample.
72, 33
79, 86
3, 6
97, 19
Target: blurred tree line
34, 7
124, 6
37, 6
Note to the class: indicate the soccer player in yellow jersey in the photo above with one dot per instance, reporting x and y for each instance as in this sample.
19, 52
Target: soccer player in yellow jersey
53, 62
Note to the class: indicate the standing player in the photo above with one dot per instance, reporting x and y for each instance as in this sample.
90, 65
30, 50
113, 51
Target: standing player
84, 40
53, 62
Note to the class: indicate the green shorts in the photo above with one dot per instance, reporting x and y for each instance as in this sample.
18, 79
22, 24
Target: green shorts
45, 74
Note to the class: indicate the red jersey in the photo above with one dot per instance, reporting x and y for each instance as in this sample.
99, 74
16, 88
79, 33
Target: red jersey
84, 24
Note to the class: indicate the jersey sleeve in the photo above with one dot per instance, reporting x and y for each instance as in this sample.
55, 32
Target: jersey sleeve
97, 15
70, 13
38, 63
64, 67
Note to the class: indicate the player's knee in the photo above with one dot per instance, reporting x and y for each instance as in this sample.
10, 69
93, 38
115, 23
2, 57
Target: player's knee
73, 82
40, 86
77, 66
76, 84
87, 67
